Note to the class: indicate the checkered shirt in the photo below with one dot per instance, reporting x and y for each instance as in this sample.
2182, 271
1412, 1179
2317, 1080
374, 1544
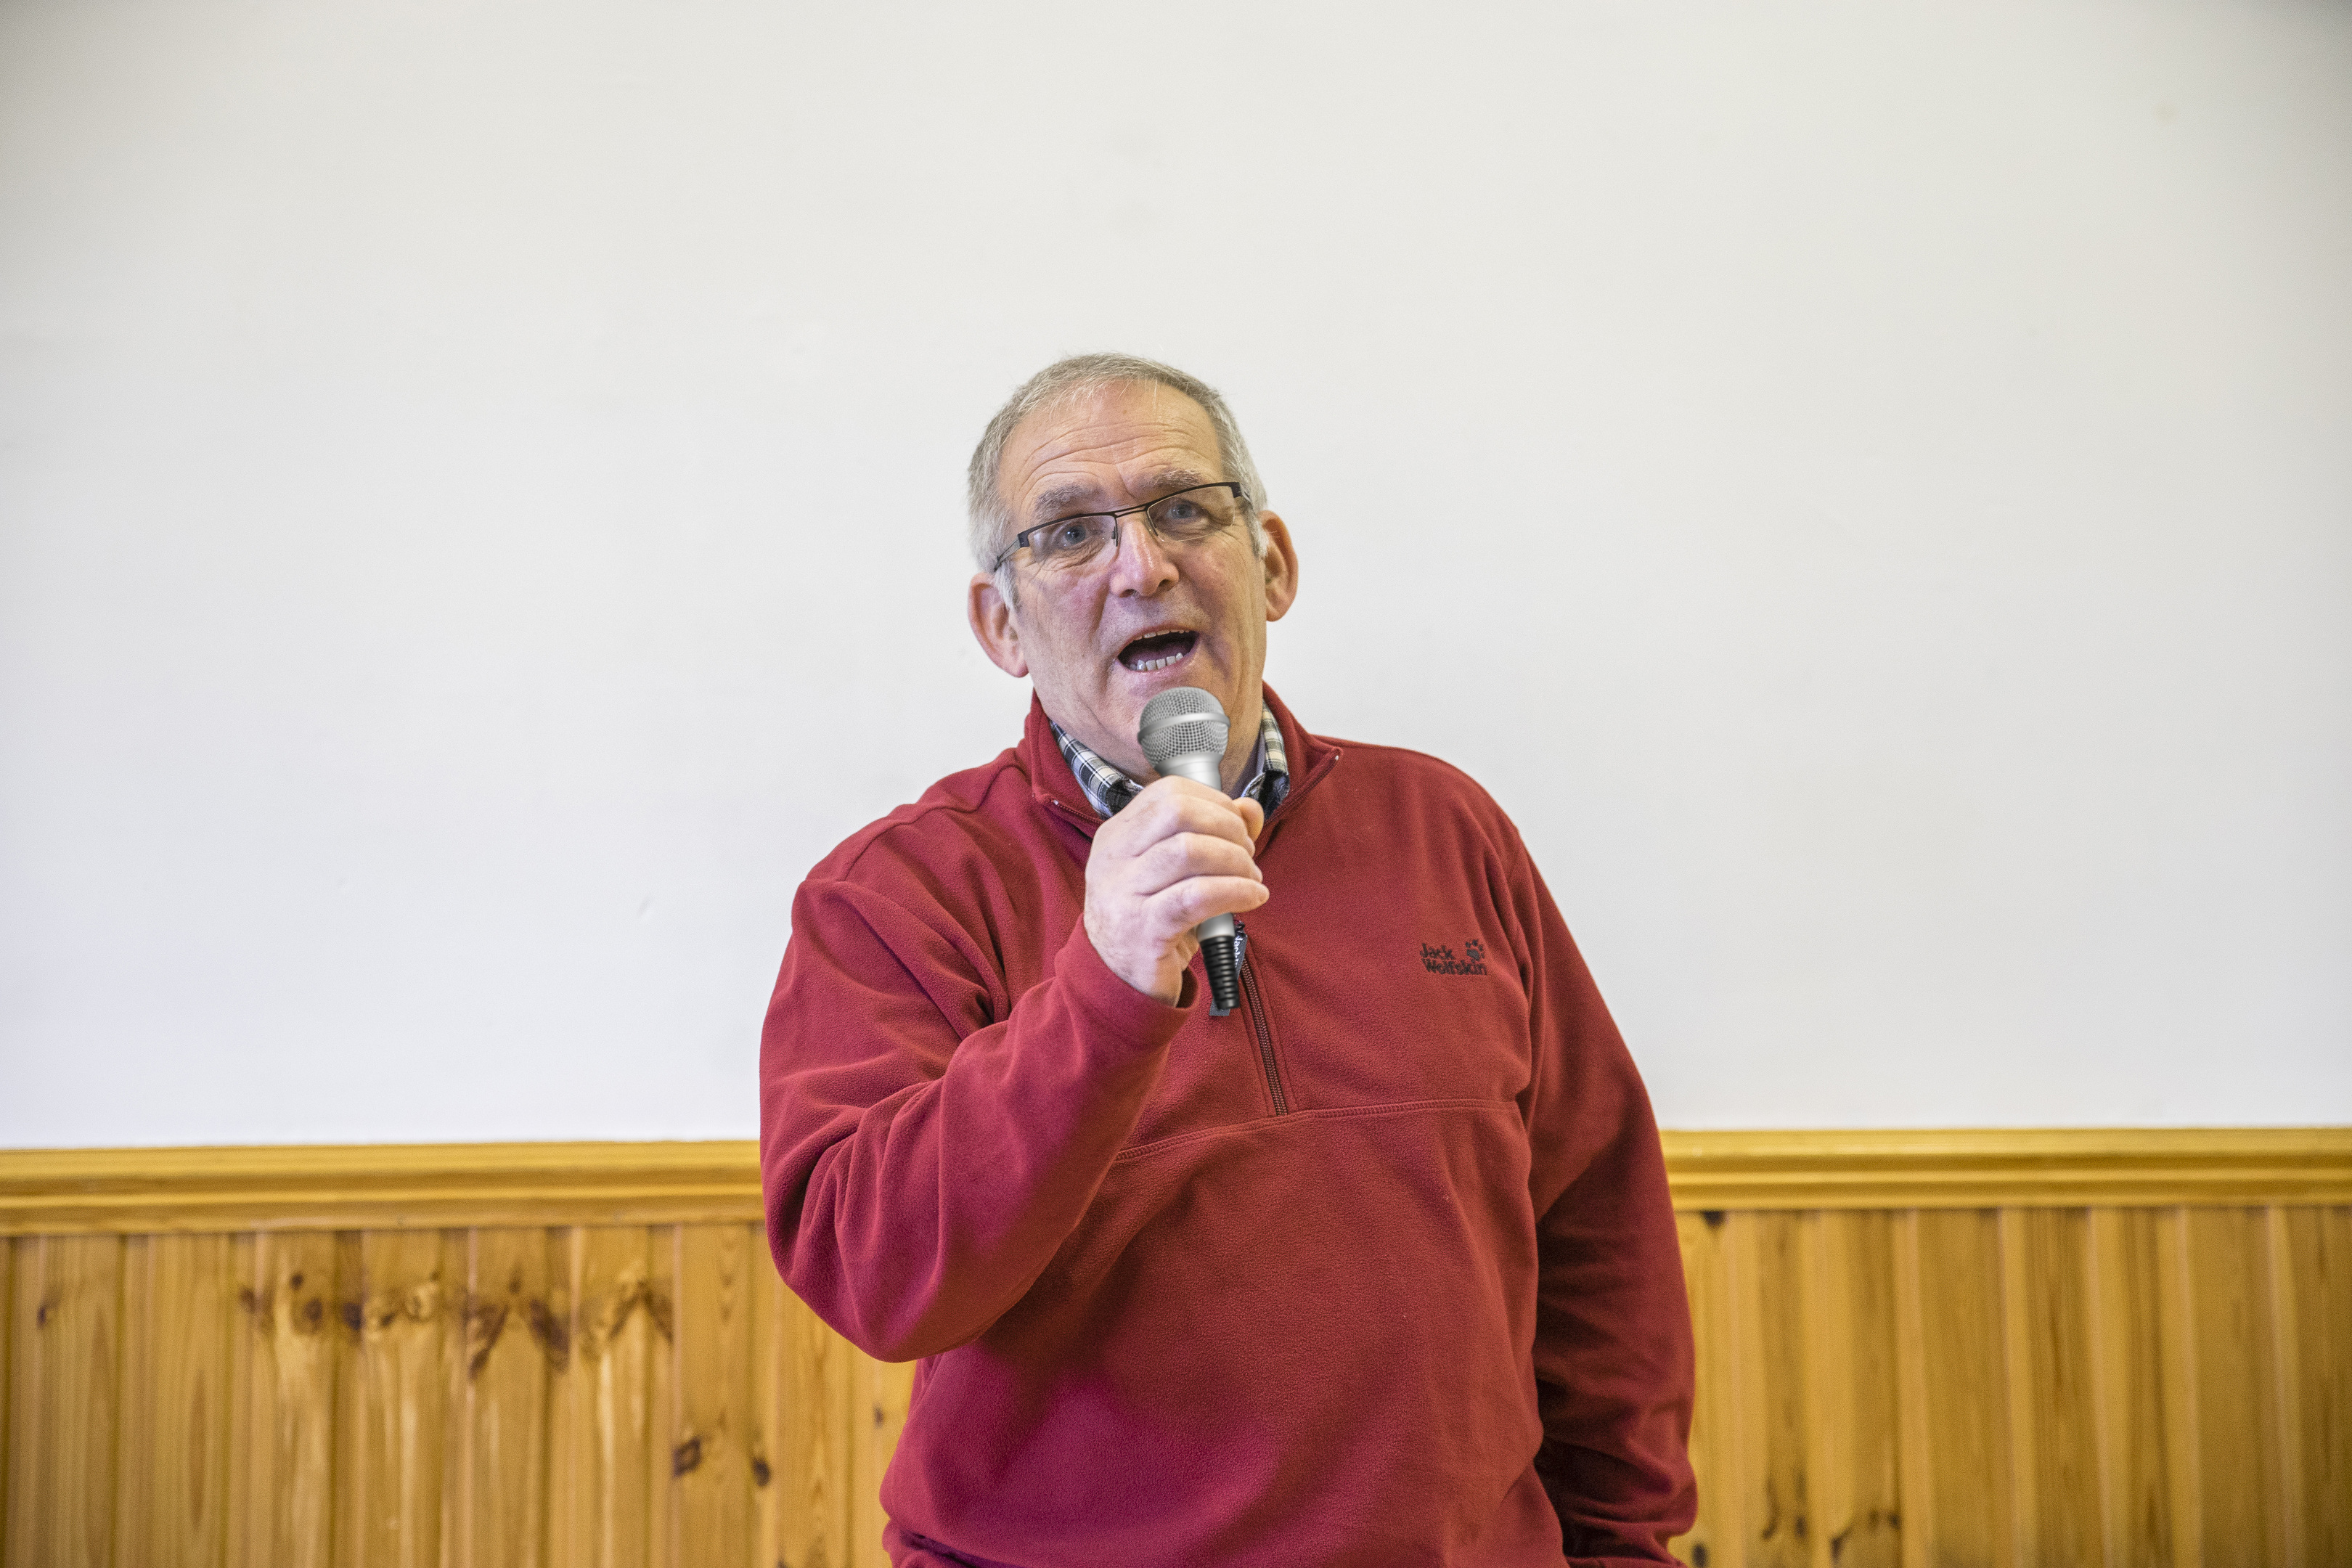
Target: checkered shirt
1108, 789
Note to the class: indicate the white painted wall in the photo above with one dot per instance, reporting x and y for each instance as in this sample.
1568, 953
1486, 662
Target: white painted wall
1869, 487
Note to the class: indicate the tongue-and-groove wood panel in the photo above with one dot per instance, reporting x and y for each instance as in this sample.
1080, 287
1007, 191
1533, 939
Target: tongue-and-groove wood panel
494, 1398
2125, 1382
2023, 1386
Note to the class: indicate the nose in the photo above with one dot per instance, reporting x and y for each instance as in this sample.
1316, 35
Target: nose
1141, 564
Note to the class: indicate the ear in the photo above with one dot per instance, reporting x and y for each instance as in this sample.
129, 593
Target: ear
993, 625
1280, 564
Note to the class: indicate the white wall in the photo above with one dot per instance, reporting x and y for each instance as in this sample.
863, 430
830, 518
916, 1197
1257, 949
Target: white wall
1869, 487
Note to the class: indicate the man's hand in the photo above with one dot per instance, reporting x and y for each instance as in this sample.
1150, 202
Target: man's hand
1179, 853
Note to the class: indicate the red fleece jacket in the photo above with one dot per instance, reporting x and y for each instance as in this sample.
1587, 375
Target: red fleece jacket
1377, 1270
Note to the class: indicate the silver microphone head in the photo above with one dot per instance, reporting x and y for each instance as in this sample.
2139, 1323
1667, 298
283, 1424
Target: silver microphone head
1182, 720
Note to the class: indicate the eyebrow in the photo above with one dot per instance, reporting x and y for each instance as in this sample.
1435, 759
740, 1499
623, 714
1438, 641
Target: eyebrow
1080, 498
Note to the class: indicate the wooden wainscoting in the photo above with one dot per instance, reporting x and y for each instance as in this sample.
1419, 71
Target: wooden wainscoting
1997, 1348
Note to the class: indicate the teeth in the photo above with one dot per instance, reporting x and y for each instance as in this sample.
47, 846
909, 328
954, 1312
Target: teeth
1175, 654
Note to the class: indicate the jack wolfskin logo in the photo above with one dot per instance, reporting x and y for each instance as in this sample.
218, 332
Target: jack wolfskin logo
1441, 960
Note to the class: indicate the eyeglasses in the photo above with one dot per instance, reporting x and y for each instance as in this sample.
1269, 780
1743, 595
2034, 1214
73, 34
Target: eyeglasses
1187, 518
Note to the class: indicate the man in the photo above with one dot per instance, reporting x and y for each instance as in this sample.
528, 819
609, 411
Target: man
1379, 1268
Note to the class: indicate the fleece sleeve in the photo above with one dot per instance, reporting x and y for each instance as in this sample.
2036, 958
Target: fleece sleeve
920, 1162
1612, 1344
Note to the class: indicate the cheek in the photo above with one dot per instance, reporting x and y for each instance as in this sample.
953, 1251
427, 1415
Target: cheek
1240, 602
1056, 640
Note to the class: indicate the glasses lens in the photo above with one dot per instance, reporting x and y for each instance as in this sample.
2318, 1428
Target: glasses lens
1190, 516
1072, 541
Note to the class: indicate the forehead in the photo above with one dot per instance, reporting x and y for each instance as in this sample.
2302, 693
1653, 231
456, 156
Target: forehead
1111, 444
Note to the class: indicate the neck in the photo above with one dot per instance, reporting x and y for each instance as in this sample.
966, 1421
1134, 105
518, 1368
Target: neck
1241, 741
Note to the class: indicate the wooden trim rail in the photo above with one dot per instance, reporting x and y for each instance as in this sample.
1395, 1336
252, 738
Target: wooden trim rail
2196, 1167
121, 1192
388, 1186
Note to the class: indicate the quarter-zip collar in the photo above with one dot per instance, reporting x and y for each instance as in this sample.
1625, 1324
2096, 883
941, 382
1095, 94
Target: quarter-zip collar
1055, 787
1312, 758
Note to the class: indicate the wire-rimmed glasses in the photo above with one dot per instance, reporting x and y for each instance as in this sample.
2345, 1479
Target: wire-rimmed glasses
1186, 518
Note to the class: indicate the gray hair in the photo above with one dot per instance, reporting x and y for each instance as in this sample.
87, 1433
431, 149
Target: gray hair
1065, 381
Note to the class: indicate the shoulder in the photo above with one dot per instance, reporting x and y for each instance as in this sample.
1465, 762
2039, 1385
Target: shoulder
983, 815
1391, 789
1412, 776
1423, 825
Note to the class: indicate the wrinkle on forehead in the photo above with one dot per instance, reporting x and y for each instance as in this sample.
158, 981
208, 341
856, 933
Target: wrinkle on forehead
1103, 427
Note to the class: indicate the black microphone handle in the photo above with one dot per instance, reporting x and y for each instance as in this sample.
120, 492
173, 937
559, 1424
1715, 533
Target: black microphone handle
1221, 956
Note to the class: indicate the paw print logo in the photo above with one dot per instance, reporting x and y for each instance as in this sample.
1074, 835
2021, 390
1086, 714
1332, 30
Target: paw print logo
1475, 950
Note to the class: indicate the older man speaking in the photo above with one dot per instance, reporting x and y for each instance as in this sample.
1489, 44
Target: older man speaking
1377, 1268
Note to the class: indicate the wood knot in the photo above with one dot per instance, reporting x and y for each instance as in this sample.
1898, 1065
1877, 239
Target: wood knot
554, 1336
484, 1321
686, 1456
604, 1322
760, 1472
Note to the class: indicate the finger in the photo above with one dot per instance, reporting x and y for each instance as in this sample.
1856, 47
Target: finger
1171, 861
1188, 902
1180, 805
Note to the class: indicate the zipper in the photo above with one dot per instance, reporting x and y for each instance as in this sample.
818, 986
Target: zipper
1257, 1000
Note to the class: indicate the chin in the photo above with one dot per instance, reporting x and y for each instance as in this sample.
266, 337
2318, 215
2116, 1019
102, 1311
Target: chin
1136, 689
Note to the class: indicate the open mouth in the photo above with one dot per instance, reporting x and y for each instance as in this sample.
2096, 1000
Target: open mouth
1158, 650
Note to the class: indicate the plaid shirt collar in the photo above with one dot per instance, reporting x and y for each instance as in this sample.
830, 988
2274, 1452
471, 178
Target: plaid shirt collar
1108, 789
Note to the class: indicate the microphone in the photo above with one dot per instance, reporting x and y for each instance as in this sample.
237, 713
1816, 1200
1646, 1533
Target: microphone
1183, 736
